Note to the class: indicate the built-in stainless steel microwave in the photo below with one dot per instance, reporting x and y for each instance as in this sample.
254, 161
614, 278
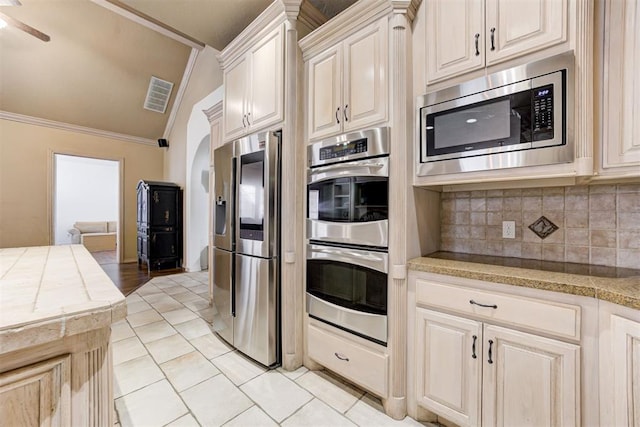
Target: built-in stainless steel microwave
519, 117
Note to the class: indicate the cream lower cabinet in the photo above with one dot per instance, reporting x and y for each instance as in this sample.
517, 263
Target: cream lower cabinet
473, 373
347, 83
619, 366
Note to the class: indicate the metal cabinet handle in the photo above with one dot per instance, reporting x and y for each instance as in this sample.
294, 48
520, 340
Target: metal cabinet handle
341, 357
248, 122
346, 118
244, 116
490, 344
473, 347
337, 112
477, 37
493, 39
472, 302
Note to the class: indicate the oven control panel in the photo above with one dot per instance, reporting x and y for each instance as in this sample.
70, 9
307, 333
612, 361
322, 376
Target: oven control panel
343, 149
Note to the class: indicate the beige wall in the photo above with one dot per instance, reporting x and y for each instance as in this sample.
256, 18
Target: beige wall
26, 177
205, 78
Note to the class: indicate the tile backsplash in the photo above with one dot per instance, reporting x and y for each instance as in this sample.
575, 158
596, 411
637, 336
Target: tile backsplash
597, 224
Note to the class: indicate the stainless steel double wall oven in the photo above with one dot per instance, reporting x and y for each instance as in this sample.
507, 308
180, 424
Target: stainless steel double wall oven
347, 231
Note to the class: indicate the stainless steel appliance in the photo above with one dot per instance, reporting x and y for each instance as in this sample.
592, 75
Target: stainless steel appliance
518, 117
348, 228
246, 289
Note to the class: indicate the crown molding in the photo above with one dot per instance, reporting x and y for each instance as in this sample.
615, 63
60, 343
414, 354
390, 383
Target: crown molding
341, 26
21, 118
310, 16
213, 113
406, 7
135, 15
177, 102
272, 17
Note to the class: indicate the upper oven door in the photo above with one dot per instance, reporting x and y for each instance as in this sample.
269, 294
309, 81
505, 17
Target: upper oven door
349, 203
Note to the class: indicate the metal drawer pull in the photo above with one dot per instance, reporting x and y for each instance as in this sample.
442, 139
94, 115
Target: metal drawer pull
341, 357
482, 305
490, 344
473, 347
493, 39
477, 36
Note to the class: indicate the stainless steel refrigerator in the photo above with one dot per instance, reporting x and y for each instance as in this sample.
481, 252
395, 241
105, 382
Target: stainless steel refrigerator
246, 285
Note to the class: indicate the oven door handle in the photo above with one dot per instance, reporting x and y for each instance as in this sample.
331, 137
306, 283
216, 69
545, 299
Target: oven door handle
369, 167
378, 261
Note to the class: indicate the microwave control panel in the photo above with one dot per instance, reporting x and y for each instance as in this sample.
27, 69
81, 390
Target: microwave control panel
343, 149
542, 113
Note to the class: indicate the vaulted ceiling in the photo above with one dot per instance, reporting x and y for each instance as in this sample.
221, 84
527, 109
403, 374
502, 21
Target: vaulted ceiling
95, 70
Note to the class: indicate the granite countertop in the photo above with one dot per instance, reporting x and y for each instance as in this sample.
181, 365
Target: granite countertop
50, 292
616, 285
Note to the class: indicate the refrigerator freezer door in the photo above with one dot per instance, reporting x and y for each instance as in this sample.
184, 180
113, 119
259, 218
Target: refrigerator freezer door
257, 194
223, 294
256, 322
224, 207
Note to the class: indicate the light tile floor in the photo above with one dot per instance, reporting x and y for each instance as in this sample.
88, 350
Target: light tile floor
171, 369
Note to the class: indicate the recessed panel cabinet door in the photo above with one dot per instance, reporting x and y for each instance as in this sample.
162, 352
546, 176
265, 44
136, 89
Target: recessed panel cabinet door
365, 77
516, 28
265, 95
625, 338
529, 380
235, 87
449, 361
455, 38
325, 93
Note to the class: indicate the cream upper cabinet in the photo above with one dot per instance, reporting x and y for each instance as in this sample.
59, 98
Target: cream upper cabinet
620, 112
466, 35
253, 88
455, 38
347, 83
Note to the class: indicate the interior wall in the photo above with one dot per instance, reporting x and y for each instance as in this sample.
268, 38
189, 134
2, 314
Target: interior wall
198, 258
26, 160
190, 128
86, 189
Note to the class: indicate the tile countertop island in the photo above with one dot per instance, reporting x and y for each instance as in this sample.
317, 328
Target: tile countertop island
56, 310
617, 285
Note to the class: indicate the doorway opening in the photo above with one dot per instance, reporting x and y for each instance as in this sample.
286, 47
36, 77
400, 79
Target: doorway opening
86, 205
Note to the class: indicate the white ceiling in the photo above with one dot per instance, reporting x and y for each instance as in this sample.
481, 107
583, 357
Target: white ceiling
95, 71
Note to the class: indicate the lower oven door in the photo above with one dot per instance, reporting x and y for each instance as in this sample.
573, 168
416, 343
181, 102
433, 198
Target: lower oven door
347, 288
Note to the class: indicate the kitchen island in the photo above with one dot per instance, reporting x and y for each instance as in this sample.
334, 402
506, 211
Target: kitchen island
56, 310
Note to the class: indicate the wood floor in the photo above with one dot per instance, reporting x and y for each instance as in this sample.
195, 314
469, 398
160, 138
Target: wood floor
127, 276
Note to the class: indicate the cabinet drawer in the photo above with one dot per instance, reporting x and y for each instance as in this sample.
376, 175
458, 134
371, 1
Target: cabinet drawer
353, 361
559, 319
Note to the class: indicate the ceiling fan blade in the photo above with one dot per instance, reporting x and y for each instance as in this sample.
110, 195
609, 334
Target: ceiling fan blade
24, 27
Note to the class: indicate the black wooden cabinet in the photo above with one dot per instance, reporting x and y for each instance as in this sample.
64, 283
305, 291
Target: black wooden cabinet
159, 221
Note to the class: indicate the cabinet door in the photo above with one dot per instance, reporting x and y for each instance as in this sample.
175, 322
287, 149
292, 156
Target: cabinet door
529, 380
448, 372
621, 115
455, 38
516, 28
325, 91
234, 107
625, 338
164, 207
365, 77
37, 395
266, 74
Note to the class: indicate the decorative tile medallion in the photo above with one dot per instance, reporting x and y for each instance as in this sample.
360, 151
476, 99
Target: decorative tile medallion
543, 227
